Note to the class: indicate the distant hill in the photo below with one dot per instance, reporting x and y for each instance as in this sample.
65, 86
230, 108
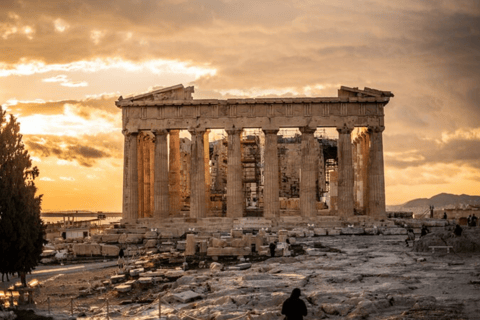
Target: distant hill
443, 200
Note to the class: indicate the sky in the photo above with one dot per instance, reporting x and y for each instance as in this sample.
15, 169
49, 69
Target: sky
64, 63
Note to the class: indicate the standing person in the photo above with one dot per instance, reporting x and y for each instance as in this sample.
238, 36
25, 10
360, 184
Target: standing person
469, 220
458, 231
474, 220
272, 247
294, 308
410, 236
121, 260
445, 215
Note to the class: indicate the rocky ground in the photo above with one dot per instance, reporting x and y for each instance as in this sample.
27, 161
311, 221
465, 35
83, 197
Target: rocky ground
341, 277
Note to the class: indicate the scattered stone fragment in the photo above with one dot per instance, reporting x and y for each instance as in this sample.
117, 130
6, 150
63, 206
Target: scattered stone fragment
187, 296
123, 288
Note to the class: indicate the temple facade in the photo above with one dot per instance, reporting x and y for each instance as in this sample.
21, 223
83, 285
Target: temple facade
153, 161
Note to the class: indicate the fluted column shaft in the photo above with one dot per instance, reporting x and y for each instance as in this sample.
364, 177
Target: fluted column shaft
376, 200
308, 174
161, 196
234, 175
366, 168
271, 203
130, 177
345, 172
206, 154
197, 176
146, 177
174, 172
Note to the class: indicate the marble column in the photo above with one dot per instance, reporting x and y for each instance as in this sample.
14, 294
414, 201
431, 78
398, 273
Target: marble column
376, 200
174, 177
321, 171
271, 203
141, 176
130, 177
308, 173
234, 175
197, 176
146, 176
161, 196
365, 172
206, 155
345, 172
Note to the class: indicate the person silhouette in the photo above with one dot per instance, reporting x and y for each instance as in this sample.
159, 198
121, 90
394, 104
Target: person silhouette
294, 308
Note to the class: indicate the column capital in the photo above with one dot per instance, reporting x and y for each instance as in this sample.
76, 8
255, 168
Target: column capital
270, 131
307, 130
376, 129
159, 132
233, 131
127, 133
195, 131
345, 129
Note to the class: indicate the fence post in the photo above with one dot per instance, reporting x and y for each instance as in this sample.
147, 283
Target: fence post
71, 306
48, 303
108, 311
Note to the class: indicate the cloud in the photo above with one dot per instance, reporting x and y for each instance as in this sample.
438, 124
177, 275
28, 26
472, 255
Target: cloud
67, 178
65, 82
86, 150
46, 179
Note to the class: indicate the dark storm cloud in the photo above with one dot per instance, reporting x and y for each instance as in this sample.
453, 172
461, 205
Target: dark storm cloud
85, 150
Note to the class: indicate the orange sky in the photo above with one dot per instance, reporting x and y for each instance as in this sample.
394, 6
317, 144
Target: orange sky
64, 63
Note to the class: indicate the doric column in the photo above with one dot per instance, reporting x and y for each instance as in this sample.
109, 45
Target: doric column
321, 171
271, 203
376, 200
365, 169
234, 175
197, 176
308, 174
206, 155
141, 175
130, 177
174, 177
345, 172
147, 212
161, 196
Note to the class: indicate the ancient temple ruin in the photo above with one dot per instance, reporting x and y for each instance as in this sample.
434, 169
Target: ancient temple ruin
250, 172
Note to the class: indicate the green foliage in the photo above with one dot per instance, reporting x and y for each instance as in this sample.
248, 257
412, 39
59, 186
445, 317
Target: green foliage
21, 228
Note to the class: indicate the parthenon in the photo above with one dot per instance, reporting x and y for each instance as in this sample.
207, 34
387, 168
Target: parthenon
152, 123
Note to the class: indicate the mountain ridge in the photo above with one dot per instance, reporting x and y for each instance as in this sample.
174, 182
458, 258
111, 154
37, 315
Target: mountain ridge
443, 200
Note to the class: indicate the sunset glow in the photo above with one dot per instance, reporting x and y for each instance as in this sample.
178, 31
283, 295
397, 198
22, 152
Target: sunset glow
62, 66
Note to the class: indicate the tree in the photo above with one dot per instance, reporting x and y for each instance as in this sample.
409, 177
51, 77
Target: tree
22, 230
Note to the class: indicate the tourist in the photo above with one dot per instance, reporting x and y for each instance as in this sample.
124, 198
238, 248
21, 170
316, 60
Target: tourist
458, 231
272, 247
410, 236
474, 220
121, 260
424, 231
469, 220
294, 308
286, 249
445, 215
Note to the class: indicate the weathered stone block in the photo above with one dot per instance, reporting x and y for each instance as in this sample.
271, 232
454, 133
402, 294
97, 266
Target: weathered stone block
334, 232
110, 238
187, 296
97, 238
394, 231
350, 231
151, 243
237, 233
85, 249
181, 245
122, 238
110, 250
151, 235
238, 243
134, 238
228, 251
320, 231
218, 243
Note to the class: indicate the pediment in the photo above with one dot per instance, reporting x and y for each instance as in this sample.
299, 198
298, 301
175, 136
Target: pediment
178, 92
366, 92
